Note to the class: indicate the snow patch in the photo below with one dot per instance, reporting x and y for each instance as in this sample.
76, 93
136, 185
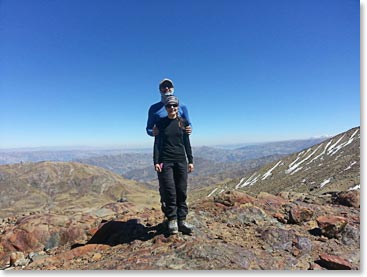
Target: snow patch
325, 182
355, 187
267, 174
214, 190
293, 167
350, 166
240, 183
250, 181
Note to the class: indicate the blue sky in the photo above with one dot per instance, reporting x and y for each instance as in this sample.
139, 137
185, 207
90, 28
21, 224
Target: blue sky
84, 72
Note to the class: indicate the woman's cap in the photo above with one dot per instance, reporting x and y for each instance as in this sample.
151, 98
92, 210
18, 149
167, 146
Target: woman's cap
171, 100
166, 81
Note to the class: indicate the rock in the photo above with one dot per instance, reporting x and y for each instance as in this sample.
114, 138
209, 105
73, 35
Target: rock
232, 198
316, 266
280, 217
299, 214
238, 232
350, 235
348, 198
59, 259
277, 238
331, 226
18, 259
96, 257
270, 202
334, 262
249, 213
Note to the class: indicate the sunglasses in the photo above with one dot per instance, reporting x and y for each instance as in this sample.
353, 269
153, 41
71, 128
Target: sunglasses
171, 105
166, 85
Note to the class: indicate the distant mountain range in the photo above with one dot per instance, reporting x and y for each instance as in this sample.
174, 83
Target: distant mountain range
102, 156
255, 151
212, 165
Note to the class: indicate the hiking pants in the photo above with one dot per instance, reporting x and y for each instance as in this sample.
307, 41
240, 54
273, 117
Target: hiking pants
173, 190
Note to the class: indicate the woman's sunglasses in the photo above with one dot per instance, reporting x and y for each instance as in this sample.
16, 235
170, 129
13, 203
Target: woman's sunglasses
171, 105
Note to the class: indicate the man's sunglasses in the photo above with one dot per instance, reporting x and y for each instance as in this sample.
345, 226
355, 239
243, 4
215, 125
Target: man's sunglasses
166, 85
171, 105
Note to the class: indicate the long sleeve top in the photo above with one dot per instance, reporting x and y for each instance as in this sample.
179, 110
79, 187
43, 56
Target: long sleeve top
172, 144
157, 111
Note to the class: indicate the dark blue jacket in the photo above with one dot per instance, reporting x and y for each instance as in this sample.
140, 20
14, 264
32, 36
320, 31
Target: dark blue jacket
158, 111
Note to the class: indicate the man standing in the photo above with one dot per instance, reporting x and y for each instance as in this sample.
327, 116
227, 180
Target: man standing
158, 111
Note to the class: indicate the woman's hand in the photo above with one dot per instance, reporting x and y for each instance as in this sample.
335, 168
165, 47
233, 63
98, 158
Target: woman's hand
158, 168
190, 167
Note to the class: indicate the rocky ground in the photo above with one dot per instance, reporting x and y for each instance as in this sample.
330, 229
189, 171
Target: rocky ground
288, 231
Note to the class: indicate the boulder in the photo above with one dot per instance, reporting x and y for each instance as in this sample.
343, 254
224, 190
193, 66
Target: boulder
348, 198
233, 198
334, 262
299, 214
331, 226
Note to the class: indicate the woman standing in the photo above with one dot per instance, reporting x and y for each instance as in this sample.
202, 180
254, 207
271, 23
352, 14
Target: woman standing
173, 160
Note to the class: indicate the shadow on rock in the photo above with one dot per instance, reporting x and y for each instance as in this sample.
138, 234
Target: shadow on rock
118, 232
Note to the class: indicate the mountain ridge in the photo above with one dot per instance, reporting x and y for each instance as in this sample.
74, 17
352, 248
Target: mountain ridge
333, 164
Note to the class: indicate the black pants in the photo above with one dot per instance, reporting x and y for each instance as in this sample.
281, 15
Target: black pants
173, 190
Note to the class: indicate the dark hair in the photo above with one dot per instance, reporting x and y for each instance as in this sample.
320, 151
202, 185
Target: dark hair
182, 122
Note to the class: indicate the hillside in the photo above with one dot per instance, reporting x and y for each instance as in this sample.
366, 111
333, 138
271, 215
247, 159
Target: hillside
50, 186
333, 165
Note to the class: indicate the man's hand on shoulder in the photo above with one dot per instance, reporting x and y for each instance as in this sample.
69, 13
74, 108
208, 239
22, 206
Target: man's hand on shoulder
155, 131
188, 130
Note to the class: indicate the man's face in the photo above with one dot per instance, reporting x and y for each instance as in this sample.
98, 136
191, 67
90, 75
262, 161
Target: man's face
166, 87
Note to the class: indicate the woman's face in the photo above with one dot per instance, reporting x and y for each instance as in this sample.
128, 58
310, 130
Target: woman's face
172, 109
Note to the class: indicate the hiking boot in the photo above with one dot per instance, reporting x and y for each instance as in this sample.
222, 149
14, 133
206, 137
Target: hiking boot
172, 226
185, 227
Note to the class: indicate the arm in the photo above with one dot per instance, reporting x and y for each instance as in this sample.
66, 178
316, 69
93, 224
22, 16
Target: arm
156, 150
185, 115
157, 165
187, 144
150, 123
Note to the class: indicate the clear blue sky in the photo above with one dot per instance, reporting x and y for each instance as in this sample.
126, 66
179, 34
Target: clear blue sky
84, 72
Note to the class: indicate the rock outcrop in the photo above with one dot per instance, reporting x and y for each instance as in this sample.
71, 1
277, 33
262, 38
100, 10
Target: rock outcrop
232, 231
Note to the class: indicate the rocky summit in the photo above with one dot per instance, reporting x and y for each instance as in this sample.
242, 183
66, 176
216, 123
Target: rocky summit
298, 213
232, 231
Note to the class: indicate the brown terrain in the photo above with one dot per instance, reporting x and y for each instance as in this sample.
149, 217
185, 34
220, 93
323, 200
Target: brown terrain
116, 223
289, 231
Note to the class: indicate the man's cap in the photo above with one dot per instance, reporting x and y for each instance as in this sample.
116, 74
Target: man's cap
171, 100
165, 80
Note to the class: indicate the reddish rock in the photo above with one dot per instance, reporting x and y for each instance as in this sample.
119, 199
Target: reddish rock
69, 255
331, 226
349, 198
270, 202
234, 198
335, 262
280, 217
37, 232
300, 214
